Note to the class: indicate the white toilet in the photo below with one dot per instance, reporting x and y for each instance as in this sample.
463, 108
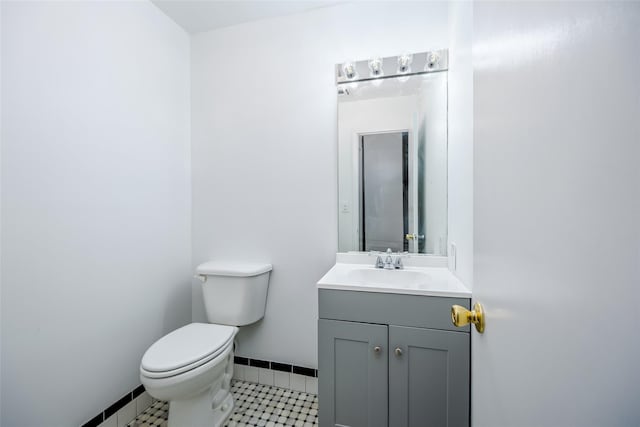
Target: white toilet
192, 366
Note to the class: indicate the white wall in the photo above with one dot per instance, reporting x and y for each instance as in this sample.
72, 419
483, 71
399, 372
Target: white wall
264, 152
461, 138
95, 202
557, 209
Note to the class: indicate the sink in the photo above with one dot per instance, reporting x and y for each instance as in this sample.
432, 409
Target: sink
394, 278
420, 276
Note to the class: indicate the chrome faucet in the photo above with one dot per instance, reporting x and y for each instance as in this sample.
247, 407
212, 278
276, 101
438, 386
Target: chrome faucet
389, 263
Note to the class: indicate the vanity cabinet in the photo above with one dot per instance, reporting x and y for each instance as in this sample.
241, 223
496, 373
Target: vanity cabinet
353, 385
390, 360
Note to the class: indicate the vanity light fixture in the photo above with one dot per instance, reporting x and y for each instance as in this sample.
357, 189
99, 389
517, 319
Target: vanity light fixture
349, 70
375, 67
404, 63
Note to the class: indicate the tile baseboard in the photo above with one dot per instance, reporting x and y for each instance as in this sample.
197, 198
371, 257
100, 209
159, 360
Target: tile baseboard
276, 366
123, 410
278, 378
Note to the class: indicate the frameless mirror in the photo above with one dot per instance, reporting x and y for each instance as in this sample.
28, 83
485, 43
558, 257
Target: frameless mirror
392, 164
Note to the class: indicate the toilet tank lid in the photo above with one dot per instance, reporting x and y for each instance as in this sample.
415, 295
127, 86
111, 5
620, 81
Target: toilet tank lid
221, 268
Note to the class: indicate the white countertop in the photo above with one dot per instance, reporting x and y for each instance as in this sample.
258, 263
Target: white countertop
356, 272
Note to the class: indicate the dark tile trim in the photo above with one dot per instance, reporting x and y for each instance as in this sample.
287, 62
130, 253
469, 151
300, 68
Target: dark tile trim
137, 391
259, 363
241, 360
112, 409
95, 421
284, 367
276, 366
304, 371
119, 404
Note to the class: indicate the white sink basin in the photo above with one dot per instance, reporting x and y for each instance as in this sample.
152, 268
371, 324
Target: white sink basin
395, 278
357, 273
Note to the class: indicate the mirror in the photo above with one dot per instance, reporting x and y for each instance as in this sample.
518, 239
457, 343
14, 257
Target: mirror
392, 164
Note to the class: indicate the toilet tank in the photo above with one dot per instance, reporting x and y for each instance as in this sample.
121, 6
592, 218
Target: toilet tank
234, 293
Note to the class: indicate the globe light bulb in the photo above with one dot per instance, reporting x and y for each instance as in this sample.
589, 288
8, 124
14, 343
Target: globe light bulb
375, 67
432, 61
349, 70
404, 63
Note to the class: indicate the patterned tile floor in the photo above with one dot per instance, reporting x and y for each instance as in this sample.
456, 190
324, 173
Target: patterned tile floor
155, 415
255, 405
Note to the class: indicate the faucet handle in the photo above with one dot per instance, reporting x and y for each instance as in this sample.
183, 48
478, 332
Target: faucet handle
379, 262
388, 261
398, 263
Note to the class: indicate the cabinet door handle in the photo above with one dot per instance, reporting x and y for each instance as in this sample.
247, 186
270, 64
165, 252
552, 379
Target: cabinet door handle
398, 351
377, 349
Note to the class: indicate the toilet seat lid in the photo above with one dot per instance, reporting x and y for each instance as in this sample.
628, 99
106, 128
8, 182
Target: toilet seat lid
186, 346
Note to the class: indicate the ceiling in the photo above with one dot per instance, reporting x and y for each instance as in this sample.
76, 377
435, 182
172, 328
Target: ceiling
203, 15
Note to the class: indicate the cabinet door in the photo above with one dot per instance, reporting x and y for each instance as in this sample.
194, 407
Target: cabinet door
428, 378
352, 375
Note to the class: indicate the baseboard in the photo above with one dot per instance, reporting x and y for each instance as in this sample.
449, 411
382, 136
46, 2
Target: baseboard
122, 411
276, 374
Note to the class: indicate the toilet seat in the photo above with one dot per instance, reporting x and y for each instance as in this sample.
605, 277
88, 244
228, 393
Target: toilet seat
185, 349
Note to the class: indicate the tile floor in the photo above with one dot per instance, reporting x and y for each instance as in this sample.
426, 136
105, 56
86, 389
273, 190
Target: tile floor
256, 405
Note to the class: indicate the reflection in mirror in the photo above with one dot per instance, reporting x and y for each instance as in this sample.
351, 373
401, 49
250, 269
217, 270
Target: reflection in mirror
392, 164
384, 195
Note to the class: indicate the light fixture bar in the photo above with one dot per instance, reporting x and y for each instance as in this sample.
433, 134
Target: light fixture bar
392, 66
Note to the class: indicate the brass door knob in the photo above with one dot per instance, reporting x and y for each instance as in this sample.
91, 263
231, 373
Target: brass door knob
460, 316
414, 236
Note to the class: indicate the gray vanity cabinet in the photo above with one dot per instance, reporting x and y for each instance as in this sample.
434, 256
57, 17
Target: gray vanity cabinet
428, 377
358, 379
380, 364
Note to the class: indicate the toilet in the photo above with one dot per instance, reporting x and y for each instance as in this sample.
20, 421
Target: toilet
192, 367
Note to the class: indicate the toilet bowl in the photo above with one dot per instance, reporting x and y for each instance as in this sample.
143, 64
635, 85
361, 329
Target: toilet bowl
192, 367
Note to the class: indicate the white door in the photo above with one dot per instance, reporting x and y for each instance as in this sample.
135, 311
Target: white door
557, 214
